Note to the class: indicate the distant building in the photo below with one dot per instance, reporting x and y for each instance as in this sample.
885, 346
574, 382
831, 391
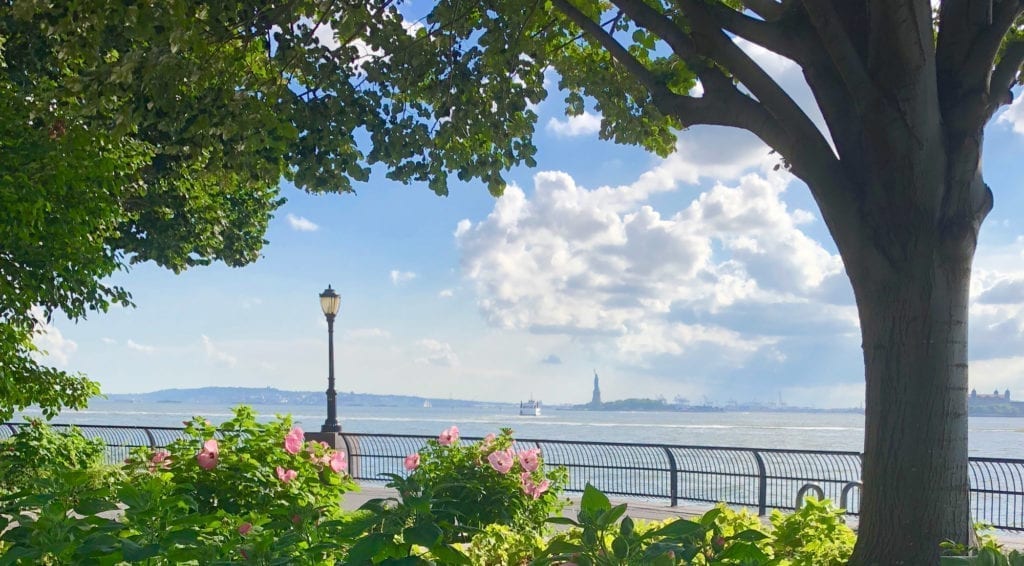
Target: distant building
596, 399
993, 404
994, 397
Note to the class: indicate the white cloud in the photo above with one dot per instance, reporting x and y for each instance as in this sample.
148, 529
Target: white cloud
1014, 116
446, 293
398, 277
301, 224
51, 341
436, 353
107, 340
217, 355
133, 345
605, 263
573, 126
367, 334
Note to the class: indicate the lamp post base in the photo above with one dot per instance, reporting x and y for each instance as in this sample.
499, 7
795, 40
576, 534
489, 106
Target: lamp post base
333, 439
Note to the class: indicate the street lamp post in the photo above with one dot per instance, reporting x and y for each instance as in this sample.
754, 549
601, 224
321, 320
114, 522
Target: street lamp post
330, 301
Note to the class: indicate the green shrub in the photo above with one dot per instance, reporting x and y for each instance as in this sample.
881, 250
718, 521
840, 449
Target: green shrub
453, 492
241, 491
814, 535
37, 452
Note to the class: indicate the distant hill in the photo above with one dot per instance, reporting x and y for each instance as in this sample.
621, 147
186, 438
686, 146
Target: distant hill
272, 396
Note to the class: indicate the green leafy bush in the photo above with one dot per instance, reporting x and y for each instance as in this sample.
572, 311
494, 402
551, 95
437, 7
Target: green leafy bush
814, 535
241, 491
453, 492
37, 451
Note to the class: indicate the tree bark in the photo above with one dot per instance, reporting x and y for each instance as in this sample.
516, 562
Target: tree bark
914, 328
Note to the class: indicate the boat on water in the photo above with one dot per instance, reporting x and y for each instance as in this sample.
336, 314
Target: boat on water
427, 405
529, 408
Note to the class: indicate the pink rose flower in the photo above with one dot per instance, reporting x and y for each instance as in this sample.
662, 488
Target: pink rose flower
337, 462
502, 460
530, 459
488, 441
212, 446
161, 459
448, 436
412, 461
531, 488
207, 457
244, 528
293, 441
286, 475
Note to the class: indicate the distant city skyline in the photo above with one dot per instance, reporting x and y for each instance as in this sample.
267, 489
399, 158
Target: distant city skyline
708, 274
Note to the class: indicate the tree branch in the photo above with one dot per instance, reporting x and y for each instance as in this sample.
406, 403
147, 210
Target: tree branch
840, 50
768, 10
1003, 77
620, 53
764, 33
714, 44
985, 47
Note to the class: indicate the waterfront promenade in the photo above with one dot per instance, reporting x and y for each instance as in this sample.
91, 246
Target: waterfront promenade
638, 509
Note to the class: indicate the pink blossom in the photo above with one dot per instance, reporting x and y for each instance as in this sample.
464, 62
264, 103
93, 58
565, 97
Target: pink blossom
412, 461
207, 457
286, 475
502, 460
531, 488
530, 459
160, 459
448, 436
244, 528
212, 446
337, 462
293, 441
487, 441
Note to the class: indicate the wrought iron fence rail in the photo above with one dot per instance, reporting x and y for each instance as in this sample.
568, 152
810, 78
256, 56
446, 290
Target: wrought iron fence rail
764, 479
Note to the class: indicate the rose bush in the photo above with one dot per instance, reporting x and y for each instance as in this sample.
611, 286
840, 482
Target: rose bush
454, 491
241, 491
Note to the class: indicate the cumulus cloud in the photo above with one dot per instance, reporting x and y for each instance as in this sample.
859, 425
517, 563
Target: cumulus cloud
301, 224
216, 354
573, 126
446, 293
1014, 116
133, 345
436, 353
607, 264
552, 359
51, 341
398, 277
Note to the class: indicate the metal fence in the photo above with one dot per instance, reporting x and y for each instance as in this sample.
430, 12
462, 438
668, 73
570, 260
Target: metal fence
762, 479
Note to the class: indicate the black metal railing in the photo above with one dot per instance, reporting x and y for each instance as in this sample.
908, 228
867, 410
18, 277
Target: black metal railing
762, 479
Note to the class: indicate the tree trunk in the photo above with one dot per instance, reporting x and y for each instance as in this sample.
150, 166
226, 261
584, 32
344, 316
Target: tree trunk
914, 328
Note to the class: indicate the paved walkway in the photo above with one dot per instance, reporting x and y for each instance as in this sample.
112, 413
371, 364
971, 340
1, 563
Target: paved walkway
638, 509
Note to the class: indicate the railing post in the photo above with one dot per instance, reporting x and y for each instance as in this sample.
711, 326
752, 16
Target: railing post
762, 485
152, 439
673, 474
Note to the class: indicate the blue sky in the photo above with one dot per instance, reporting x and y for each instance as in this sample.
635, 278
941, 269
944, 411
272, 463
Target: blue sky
707, 275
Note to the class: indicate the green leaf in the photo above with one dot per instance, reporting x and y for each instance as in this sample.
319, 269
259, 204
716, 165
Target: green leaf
424, 534
133, 552
609, 517
593, 502
620, 548
678, 529
366, 548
